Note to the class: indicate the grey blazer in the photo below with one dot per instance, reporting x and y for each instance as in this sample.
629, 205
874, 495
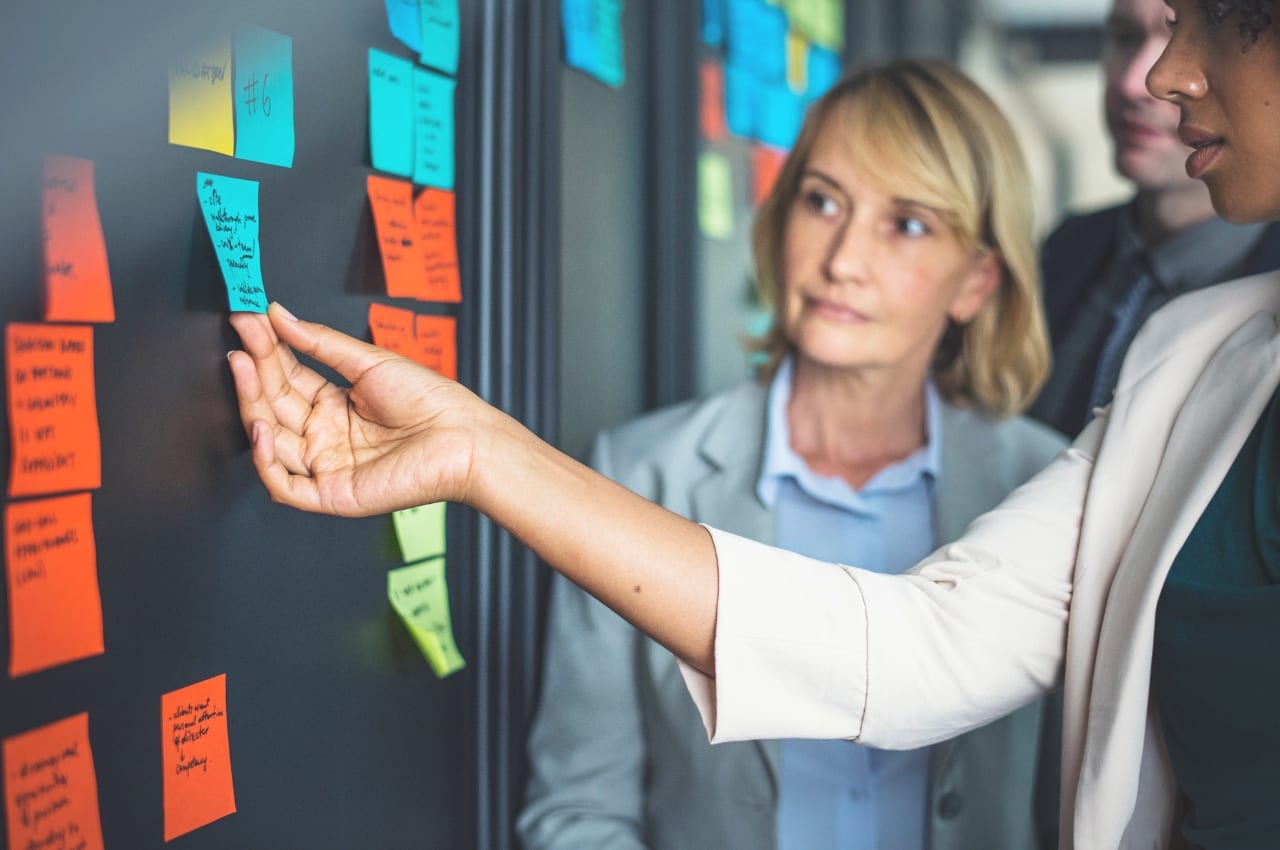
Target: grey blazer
619, 756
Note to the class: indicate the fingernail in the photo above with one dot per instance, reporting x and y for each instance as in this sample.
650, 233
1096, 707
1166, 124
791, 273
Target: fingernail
229, 353
286, 312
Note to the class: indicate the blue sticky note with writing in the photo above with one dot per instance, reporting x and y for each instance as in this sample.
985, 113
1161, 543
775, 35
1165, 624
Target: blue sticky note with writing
780, 116
405, 23
713, 22
740, 101
230, 207
263, 96
824, 71
433, 129
391, 113
440, 34
757, 34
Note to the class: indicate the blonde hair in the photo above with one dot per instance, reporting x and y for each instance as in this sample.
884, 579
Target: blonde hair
927, 130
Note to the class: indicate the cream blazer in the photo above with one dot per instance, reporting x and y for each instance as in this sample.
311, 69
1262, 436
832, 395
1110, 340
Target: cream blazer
1057, 584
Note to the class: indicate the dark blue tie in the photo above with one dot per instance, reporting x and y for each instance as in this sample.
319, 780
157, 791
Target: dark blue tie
1128, 314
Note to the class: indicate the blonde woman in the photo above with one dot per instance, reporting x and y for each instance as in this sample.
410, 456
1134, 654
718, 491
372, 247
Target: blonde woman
896, 252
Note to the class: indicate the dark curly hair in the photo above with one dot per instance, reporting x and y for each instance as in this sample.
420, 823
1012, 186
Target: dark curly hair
1252, 16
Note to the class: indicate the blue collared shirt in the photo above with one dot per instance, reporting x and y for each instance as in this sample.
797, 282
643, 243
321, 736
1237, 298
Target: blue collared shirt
832, 793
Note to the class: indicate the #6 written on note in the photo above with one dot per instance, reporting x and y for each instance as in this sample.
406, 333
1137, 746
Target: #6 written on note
50, 789
200, 104
53, 410
230, 208
393, 220
196, 756
55, 609
77, 280
264, 93
420, 597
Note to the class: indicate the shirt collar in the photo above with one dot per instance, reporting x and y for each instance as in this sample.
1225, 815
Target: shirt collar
1203, 254
780, 462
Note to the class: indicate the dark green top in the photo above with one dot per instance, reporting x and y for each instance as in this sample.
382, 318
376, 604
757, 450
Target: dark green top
1216, 665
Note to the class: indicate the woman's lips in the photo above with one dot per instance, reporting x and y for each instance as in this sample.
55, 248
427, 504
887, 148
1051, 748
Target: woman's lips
1202, 157
835, 312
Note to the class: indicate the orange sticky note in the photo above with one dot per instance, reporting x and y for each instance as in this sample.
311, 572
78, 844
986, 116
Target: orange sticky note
766, 165
393, 219
53, 411
55, 610
711, 108
77, 281
50, 790
437, 341
196, 756
438, 241
392, 329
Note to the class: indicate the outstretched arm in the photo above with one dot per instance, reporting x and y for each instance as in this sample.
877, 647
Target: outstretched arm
401, 435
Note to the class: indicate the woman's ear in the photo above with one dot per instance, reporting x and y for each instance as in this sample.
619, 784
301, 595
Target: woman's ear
980, 283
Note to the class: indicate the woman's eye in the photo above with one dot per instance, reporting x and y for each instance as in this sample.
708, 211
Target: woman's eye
820, 203
911, 226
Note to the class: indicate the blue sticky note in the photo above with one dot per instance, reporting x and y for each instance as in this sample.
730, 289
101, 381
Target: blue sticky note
405, 23
781, 115
391, 113
593, 38
824, 71
440, 34
713, 22
740, 98
757, 34
230, 207
264, 96
433, 129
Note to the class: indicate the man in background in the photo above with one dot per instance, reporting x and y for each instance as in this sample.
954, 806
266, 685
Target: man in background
1107, 271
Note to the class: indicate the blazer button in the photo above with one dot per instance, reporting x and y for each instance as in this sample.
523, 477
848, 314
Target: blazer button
950, 804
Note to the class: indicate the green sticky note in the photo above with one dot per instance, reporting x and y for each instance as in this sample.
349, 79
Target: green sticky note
715, 196
420, 531
420, 597
820, 21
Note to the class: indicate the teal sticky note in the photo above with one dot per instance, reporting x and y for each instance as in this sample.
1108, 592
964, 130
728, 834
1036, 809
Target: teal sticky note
420, 531
264, 96
780, 115
230, 207
433, 129
740, 101
391, 113
824, 71
593, 38
405, 23
440, 34
758, 38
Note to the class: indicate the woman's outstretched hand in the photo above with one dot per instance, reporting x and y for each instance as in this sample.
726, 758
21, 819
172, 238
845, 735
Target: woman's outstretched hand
395, 438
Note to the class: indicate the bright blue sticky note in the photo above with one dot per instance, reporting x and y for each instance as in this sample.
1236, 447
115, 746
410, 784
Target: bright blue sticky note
440, 34
713, 22
781, 115
405, 23
824, 71
593, 38
757, 33
740, 96
433, 129
230, 207
263, 96
391, 113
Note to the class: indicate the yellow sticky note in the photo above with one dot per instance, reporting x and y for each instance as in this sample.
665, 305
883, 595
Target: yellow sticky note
420, 597
715, 196
200, 110
420, 531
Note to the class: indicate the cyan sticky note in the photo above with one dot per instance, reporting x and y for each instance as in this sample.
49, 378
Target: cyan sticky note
757, 34
740, 96
433, 128
391, 128
780, 117
405, 23
824, 71
420, 531
230, 207
264, 96
440, 35
713, 22
593, 39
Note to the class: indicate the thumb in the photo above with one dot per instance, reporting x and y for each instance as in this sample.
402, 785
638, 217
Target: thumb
345, 354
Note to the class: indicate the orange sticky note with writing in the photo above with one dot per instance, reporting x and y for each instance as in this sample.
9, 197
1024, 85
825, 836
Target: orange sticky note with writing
766, 165
392, 329
50, 789
196, 756
55, 609
711, 100
53, 410
438, 241
393, 220
437, 341
77, 280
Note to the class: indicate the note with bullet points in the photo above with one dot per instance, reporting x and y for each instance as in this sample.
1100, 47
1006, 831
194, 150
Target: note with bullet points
230, 207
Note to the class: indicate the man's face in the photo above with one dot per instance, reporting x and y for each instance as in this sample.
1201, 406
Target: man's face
1143, 129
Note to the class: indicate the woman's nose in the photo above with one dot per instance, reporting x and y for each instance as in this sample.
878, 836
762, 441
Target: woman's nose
1176, 75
